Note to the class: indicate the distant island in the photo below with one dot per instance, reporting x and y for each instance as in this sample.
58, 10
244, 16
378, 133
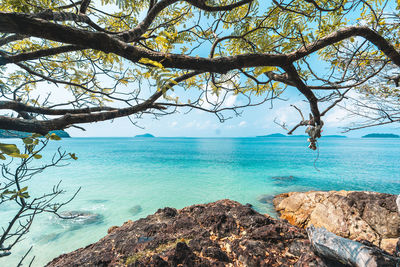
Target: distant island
378, 135
282, 135
144, 135
17, 134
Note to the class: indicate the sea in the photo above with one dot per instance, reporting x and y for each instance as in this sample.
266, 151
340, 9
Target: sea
123, 179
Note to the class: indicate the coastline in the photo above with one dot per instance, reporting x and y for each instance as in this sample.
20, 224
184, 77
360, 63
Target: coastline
219, 233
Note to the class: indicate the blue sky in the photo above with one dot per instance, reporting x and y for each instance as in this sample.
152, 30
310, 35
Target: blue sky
253, 121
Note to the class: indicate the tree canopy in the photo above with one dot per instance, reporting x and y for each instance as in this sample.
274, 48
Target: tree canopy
116, 58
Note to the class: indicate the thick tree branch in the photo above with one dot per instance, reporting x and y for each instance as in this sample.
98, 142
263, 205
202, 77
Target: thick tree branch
20, 23
342, 34
84, 5
303, 88
135, 33
5, 59
11, 38
19, 107
23, 24
73, 117
283, 78
202, 5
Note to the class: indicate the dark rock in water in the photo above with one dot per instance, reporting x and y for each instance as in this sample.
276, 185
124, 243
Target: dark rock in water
44, 239
283, 178
215, 234
81, 217
135, 210
266, 199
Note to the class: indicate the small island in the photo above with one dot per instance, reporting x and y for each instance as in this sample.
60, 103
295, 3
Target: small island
144, 135
17, 134
381, 135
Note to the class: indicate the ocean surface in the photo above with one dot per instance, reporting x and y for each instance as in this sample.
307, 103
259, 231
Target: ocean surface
128, 178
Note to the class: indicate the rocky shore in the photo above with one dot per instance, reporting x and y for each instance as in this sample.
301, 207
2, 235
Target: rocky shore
215, 234
370, 216
227, 233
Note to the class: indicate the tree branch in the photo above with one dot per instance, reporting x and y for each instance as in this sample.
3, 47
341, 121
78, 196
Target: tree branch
44, 126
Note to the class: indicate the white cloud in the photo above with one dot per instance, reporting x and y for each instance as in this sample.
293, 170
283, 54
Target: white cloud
288, 114
201, 125
336, 117
242, 124
210, 99
190, 124
230, 101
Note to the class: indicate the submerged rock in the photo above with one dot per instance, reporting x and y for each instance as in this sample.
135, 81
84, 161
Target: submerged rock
81, 217
265, 199
135, 210
356, 215
283, 178
215, 234
47, 238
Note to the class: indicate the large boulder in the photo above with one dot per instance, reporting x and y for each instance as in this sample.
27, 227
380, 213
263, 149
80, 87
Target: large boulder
356, 215
215, 234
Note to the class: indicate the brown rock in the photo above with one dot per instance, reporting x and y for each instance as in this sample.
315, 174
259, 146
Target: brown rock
356, 215
389, 244
216, 234
111, 229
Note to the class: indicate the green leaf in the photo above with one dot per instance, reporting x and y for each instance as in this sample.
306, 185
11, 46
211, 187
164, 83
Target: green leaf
24, 195
23, 189
73, 156
9, 149
53, 136
151, 62
2, 157
27, 141
8, 192
37, 156
17, 155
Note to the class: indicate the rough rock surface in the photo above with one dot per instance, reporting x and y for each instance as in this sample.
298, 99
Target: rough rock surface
356, 215
223, 233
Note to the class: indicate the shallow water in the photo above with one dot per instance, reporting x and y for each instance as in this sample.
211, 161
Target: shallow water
129, 178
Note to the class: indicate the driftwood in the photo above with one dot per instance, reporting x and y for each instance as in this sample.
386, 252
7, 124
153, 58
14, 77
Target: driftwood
348, 252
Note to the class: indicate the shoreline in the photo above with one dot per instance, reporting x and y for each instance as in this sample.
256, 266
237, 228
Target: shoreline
144, 237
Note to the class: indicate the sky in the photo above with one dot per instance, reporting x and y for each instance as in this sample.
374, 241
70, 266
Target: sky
253, 121
258, 120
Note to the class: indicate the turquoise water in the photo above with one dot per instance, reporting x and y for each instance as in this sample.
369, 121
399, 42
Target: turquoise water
118, 174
